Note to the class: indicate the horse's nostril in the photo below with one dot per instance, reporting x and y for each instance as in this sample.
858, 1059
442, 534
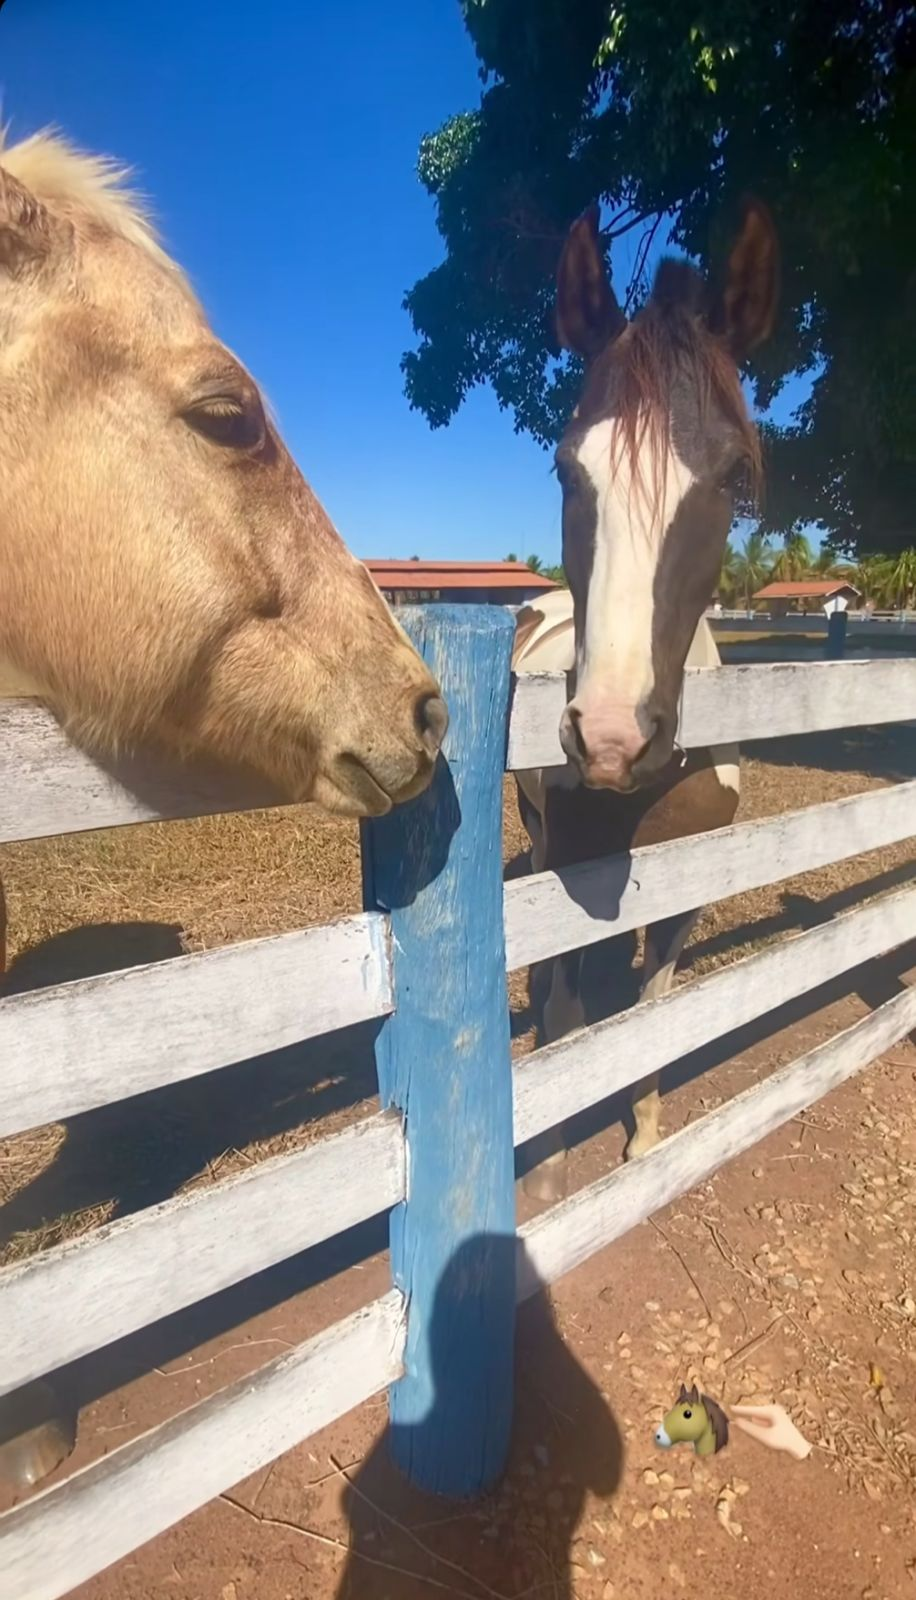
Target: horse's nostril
650, 725
574, 716
432, 721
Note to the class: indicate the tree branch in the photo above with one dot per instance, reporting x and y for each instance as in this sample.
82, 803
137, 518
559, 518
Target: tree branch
610, 232
642, 256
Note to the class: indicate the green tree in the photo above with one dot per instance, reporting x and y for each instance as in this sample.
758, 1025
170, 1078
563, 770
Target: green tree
534, 563
794, 561
827, 565
511, 556
753, 565
667, 115
872, 578
729, 579
901, 579
557, 575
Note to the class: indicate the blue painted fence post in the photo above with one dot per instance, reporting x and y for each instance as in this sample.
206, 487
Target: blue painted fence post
444, 1062
836, 635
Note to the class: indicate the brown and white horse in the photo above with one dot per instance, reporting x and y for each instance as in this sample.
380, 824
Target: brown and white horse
648, 465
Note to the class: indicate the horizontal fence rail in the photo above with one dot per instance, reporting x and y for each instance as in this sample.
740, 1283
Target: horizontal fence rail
48, 786
735, 704
585, 1067
550, 912
68, 1533
572, 1231
96, 1040
82, 1295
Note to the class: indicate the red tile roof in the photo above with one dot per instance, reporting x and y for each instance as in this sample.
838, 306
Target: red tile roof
807, 589
457, 575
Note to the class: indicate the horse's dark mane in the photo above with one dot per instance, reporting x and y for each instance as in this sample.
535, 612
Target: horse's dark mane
666, 338
719, 1421
717, 1417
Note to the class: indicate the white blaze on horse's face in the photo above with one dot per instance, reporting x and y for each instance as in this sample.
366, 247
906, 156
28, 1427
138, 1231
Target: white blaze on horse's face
616, 717
647, 467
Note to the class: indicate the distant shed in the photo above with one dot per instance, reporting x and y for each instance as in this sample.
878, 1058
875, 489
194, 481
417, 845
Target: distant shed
502, 583
782, 597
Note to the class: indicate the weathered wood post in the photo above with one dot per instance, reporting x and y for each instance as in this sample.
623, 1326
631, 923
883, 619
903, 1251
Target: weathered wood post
443, 1061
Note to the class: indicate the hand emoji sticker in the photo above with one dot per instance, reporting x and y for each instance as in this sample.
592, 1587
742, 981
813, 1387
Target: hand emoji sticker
772, 1426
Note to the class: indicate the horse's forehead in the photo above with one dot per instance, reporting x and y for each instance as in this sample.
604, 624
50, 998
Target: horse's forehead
598, 399
124, 280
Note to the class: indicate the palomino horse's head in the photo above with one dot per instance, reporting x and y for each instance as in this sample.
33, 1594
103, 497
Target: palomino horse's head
167, 574
648, 465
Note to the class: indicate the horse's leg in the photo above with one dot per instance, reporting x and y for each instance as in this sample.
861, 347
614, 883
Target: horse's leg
591, 985
557, 1006
664, 943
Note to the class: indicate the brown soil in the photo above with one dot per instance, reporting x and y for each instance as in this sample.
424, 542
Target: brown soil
788, 1277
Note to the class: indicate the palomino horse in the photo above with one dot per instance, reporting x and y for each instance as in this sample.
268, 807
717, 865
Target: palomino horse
647, 465
168, 578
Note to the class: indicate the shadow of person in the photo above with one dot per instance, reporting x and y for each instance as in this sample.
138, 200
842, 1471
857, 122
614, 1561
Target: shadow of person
520, 1536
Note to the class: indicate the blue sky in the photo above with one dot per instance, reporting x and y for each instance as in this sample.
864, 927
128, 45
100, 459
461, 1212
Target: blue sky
278, 143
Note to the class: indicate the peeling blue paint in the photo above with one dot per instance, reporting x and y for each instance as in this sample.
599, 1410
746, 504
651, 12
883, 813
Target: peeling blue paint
444, 1061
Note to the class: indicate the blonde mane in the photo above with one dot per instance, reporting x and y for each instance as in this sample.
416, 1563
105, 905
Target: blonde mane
88, 188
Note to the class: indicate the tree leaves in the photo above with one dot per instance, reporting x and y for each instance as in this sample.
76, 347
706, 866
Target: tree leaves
653, 111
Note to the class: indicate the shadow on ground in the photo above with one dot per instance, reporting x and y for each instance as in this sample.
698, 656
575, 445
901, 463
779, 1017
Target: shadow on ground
520, 1539
141, 1150
884, 751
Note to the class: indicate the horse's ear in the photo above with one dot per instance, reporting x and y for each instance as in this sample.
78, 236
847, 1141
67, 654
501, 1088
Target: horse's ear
745, 308
683, 1397
26, 232
694, 1396
587, 313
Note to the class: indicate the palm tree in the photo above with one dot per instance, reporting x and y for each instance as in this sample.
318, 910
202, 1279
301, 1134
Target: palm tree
511, 556
729, 581
902, 579
794, 561
753, 565
872, 579
557, 575
534, 563
826, 565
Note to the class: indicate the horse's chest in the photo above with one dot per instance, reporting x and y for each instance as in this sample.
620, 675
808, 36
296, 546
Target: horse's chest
579, 824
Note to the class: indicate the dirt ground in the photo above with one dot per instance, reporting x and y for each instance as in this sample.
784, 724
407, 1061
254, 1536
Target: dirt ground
788, 1277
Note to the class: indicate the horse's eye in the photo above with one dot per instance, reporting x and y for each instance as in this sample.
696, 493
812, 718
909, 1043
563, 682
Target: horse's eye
229, 421
736, 479
687, 1413
565, 477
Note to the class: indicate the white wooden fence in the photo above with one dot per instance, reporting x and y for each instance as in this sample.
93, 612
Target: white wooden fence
91, 1042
